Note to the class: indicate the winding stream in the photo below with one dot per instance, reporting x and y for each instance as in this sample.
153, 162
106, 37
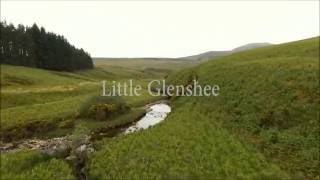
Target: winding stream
62, 147
156, 113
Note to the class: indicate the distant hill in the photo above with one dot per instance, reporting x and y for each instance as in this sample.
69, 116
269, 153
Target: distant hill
199, 57
207, 55
250, 46
213, 54
142, 58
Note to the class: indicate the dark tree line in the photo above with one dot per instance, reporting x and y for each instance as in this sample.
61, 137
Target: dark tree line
34, 47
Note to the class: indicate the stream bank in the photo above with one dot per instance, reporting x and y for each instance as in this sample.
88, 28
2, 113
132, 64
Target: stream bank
76, 151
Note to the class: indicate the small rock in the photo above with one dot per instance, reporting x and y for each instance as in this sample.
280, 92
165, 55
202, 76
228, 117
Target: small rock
81, 152
78, 142
71, 158
6, 147
82, 148
58, 149
90, 150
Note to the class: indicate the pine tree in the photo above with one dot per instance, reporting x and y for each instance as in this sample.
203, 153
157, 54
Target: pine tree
31, 46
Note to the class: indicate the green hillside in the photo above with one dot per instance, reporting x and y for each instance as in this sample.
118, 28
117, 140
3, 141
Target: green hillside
40, 100
263, 125
44, 104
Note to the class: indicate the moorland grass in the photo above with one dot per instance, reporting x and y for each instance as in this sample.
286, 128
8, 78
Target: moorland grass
40, 100
31, 165
186, 145
41, 103
263, 125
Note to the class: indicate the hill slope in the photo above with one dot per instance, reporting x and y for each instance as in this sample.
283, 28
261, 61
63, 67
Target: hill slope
207, 55
250, 46
266, 114
215, 54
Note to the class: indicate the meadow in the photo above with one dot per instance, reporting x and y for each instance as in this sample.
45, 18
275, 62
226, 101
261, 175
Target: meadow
263, 125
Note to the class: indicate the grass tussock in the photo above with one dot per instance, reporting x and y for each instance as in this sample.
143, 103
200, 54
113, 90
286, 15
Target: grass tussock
103, 107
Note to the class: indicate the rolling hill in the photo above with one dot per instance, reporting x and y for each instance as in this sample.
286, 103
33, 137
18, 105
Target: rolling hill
215, 54
263, 125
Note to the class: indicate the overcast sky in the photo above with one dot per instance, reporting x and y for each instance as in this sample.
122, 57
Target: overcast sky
164, 28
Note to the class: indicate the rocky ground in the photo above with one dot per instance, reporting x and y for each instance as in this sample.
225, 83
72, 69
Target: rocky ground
73, 151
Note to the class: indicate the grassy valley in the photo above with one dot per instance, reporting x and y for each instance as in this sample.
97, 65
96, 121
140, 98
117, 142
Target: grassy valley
43, 104
263, 125
35, 97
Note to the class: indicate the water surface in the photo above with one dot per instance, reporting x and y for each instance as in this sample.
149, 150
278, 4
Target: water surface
156, 113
